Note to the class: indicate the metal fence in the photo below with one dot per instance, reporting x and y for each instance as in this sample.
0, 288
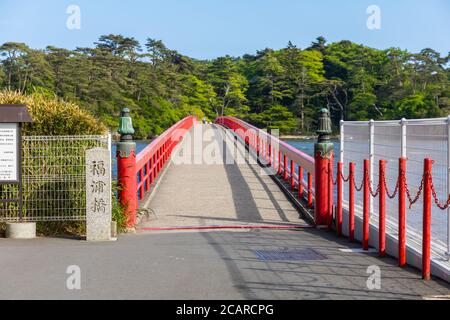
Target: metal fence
414, 140
54, 178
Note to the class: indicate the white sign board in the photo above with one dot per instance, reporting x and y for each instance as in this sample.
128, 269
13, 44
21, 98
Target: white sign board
9, 158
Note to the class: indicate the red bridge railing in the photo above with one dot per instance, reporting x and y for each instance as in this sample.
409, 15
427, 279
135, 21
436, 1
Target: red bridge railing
151, 160
287, 161
136, 174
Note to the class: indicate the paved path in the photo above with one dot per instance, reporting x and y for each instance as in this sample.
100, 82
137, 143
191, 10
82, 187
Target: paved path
217, 194
256, 264
208, 265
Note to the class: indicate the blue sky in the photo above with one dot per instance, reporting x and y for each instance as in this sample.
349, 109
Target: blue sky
211, 28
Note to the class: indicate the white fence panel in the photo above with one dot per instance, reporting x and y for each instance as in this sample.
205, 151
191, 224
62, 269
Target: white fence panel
390, 140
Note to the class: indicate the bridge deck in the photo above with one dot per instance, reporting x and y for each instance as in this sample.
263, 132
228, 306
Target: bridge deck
203, 194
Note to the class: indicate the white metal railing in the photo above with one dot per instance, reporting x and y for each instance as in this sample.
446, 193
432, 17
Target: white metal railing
415, 140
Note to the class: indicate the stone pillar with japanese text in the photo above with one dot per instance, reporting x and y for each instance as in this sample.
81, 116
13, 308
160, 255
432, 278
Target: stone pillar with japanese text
98, 195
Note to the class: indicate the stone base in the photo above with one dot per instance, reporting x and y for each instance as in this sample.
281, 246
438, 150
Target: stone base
21, 230
113, 229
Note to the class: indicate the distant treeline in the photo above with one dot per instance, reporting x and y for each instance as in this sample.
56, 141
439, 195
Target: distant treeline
273, 88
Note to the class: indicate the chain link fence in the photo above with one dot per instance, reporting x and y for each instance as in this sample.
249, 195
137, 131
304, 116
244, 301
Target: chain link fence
54, 179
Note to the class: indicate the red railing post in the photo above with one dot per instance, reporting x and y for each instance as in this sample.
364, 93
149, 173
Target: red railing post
310, 186
330, 195
270, 155
147, 170
300, 182
426, 235
339, 198
351, 204
292, 175
285, 168
402, 213
366, 205
324, 154
382, 208
126, 168
279, 162
141, 179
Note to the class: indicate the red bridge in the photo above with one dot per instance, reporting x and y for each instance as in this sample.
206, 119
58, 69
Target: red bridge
232, 176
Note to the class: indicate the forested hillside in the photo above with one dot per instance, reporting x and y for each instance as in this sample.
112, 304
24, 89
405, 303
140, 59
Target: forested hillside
272, 88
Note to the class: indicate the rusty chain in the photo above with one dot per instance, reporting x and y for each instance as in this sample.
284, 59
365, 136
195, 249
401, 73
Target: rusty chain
440, 205
408, 192
354, 183
344, 178
402, 176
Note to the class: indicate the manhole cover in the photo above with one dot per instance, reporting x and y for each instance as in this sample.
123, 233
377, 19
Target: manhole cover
291, 255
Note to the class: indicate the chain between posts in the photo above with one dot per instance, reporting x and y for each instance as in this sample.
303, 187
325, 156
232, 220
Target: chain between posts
440, 205
412, 200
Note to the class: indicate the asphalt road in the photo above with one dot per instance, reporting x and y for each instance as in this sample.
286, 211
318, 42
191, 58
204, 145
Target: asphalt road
208, 265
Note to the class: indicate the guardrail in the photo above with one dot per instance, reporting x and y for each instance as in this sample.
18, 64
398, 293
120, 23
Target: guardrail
137, 173
288, 162
402, 193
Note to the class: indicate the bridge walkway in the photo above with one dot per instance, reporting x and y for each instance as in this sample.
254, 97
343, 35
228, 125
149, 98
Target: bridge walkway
205, 191
306, 263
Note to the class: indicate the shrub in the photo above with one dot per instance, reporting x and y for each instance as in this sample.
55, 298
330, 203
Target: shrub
53, 116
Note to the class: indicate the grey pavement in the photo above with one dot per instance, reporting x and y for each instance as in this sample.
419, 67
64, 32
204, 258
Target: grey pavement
253, 264
203, 265
217, 194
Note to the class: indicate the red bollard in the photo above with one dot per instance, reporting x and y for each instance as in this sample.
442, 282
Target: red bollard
366, 205
300, 183
126, 168
292, 175
382, 208
351, 200
402, 213
426, 235
339, 199
323, 155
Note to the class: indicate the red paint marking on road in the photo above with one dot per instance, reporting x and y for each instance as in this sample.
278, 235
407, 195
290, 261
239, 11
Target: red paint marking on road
228, 227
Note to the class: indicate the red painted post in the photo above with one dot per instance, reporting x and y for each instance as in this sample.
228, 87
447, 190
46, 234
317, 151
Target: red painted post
141, 179
279, 162
339, 199
285, 168
330, 196
426, 234
402, 213
126, 168
147, 180
382, 208
310, 185
323, 154
270, 155
366, 205
351, 200
292, 175
300, 183
258, 146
